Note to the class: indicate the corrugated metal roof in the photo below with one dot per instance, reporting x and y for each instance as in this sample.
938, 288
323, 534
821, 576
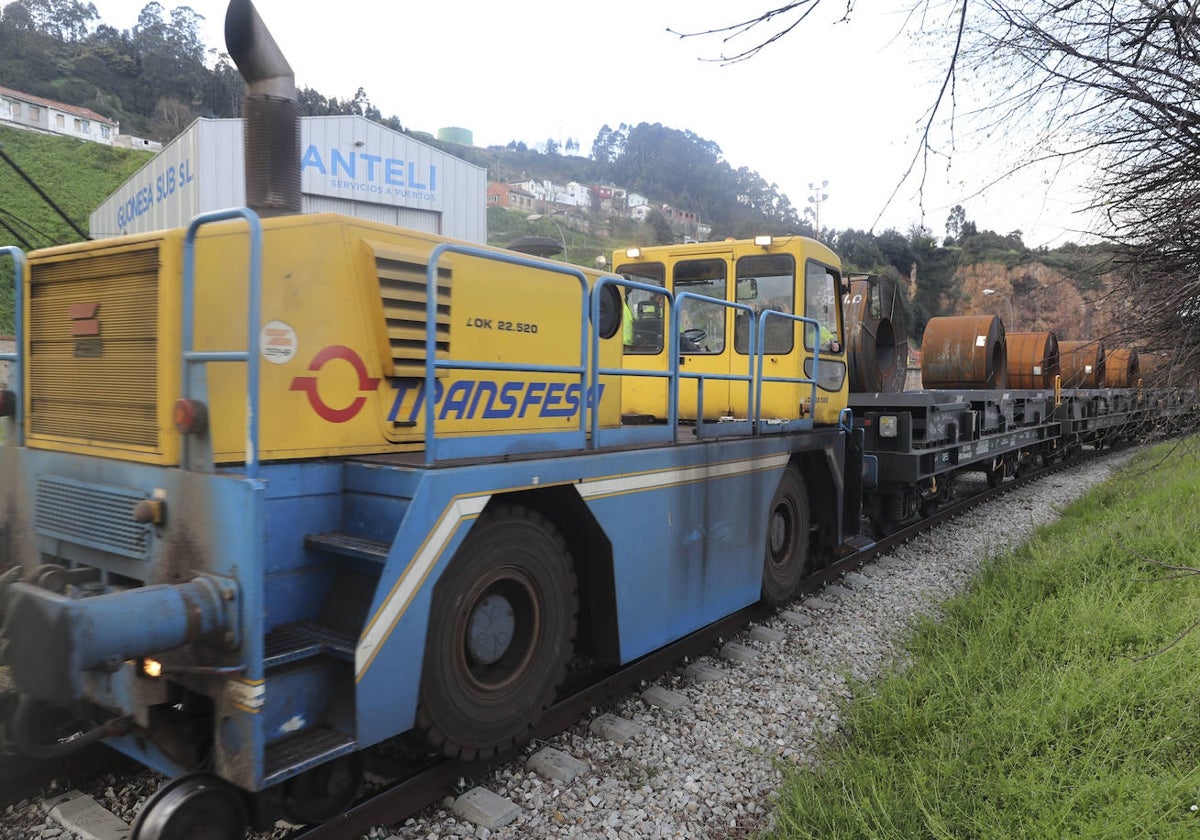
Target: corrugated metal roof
58, 106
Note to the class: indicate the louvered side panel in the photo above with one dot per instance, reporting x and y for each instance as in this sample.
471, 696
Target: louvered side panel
93, 349
402, 287
91, 514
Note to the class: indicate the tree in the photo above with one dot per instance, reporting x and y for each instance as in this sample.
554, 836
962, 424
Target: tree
65, 20
171, 116
955, 222
1111, 86
660, 227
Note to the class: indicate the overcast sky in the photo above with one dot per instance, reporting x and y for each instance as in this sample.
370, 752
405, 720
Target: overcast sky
837, 102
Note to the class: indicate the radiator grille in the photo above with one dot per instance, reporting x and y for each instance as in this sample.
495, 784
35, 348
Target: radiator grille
94, 379
402, 288
92, 515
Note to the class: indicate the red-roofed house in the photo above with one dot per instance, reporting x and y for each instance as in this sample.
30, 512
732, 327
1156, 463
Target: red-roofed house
23, 110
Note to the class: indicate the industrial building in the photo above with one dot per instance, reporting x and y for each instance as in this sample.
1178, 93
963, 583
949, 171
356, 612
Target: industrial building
348, 165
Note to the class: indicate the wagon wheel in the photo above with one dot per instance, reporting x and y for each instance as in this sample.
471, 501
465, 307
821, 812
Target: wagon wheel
996, 475
929, 505
501, 629
787, 539
193, 807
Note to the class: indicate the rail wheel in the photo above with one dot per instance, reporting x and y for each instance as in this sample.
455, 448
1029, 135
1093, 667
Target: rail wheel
323, 792
787, 539
501, 629
997, 472
193, 807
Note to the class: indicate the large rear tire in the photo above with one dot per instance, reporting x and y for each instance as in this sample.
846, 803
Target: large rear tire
787, 539
501, 630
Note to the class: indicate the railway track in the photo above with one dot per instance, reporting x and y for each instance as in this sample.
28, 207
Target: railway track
419, 781
428, 785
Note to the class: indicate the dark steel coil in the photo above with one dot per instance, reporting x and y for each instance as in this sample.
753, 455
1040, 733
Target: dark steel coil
1032, 360
1121, 369
964, 352
876, 335
1082, 363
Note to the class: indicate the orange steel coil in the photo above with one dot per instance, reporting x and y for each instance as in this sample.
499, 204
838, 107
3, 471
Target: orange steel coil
1082, 363
964, 352
1032, 360
1121, 369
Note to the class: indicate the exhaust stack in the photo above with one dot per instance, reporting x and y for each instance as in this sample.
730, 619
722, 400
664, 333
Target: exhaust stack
270, 110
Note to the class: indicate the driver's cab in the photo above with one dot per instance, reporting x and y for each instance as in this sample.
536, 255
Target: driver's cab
720, 289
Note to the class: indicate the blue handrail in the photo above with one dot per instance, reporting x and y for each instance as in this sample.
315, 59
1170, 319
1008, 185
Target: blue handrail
672, 371
751, 393
816, 355
16, 359
192, 357
433, 364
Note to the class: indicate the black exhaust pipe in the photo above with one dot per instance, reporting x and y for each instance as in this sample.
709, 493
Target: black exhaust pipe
270, 111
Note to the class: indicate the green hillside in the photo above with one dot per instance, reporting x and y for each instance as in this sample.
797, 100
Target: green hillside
76, 174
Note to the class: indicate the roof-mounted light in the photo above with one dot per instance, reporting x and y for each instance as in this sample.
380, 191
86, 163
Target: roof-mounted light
633, 253
763, 241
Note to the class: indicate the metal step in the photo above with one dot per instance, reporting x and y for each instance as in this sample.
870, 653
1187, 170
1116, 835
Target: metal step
302, 641
293, 755
348, 545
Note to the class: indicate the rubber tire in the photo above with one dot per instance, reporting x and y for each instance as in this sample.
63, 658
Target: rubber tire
472, 711
786, 556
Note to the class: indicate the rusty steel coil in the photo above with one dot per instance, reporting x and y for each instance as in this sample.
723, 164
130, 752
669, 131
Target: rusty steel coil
1082, 363
1121, 369
876, 335
964, 352
1032, 360
1153, 367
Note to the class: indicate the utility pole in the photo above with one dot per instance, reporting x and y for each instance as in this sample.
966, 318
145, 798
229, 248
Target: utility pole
816, 196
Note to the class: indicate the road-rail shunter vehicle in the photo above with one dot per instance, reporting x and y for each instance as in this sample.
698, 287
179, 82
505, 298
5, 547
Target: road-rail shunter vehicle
279, 487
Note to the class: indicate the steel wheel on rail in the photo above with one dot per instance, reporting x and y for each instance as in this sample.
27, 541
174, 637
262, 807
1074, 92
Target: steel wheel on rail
323, 792
501, 630
193, 807
787, 539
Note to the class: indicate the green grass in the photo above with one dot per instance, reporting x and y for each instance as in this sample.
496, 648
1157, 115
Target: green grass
1050, 701
76, 174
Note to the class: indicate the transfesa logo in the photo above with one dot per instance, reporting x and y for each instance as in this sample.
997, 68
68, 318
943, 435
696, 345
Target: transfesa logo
465, 399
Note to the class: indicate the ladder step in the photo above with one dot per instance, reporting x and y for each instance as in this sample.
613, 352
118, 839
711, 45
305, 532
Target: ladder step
348, 545
302, 641
293, 755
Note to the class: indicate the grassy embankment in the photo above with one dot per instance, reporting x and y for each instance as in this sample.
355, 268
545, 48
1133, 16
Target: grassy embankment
1050, 701
76, 174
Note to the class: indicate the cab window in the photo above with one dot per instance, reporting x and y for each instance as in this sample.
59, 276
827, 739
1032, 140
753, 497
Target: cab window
767, 281
701, 324
820, 304
644, 312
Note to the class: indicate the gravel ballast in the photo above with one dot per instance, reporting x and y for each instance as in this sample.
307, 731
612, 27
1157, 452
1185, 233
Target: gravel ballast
710, 766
